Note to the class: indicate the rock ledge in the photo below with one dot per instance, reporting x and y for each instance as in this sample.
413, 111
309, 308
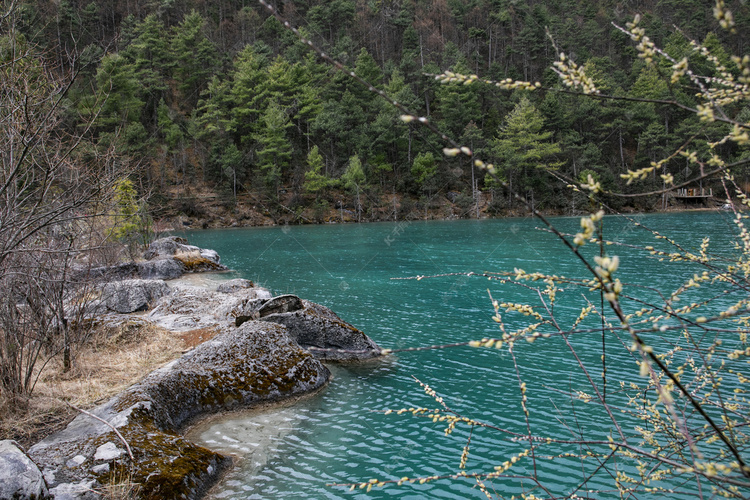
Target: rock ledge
253, 364
266, 351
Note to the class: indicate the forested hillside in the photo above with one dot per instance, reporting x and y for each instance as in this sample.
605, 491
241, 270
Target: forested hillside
214, 109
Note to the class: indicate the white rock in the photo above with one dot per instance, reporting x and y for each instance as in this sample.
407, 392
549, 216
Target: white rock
211, 255
100, 469
72, 491
76, 461
19, 476
108, 451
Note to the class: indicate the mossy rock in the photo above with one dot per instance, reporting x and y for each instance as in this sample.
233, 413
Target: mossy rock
250, 365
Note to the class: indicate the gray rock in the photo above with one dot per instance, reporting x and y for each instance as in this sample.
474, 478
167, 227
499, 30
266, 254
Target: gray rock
132, 295
165, 247
100, 469
166, 258
239, 368
245, 289
235, 285
19, 476
211, 255
280, 304
312, 326
189, 257
117, 272
247, 310
161, 269
189, 307
76, 461
172, 246
258, 293
325, 335
82, 490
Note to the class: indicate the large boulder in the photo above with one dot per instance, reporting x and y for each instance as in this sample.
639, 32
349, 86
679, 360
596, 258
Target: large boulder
161, 269
281, 304
242, 367
193, 257
320, 331
312, 326
129, 296
190, 307
19, 476
166, 259
167, 247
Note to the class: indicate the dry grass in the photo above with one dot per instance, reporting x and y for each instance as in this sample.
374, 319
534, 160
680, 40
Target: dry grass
190, 255
120, 489
114, 359
196, 337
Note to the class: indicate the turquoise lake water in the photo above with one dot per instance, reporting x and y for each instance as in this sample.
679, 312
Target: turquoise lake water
341, 435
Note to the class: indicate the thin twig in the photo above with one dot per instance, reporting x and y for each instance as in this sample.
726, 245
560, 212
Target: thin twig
127, 446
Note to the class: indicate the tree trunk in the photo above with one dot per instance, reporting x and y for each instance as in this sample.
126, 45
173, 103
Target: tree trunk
359, 207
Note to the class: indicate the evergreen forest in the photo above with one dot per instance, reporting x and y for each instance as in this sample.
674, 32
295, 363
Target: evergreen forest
216, 104
120, 120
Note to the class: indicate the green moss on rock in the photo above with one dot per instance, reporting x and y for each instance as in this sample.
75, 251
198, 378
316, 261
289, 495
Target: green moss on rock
252, 364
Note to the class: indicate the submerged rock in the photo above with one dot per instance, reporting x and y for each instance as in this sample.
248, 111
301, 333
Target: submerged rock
255, 363
19, 476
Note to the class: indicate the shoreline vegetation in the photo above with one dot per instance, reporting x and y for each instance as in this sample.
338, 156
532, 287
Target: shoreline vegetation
117, 355
219, 113
210, 215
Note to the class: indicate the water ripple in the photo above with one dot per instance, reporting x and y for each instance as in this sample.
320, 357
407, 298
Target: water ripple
342, 434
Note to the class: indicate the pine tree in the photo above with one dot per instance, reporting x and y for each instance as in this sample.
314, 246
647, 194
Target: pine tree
152, 60
353, 180
424, 170
316, 182
275, 150
117, 84
457, 105
231, 165
195, 57
391, 140
247, 75
522, 147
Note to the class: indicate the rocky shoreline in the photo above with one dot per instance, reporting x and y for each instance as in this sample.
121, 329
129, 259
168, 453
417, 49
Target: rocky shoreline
268, 349
209, 213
